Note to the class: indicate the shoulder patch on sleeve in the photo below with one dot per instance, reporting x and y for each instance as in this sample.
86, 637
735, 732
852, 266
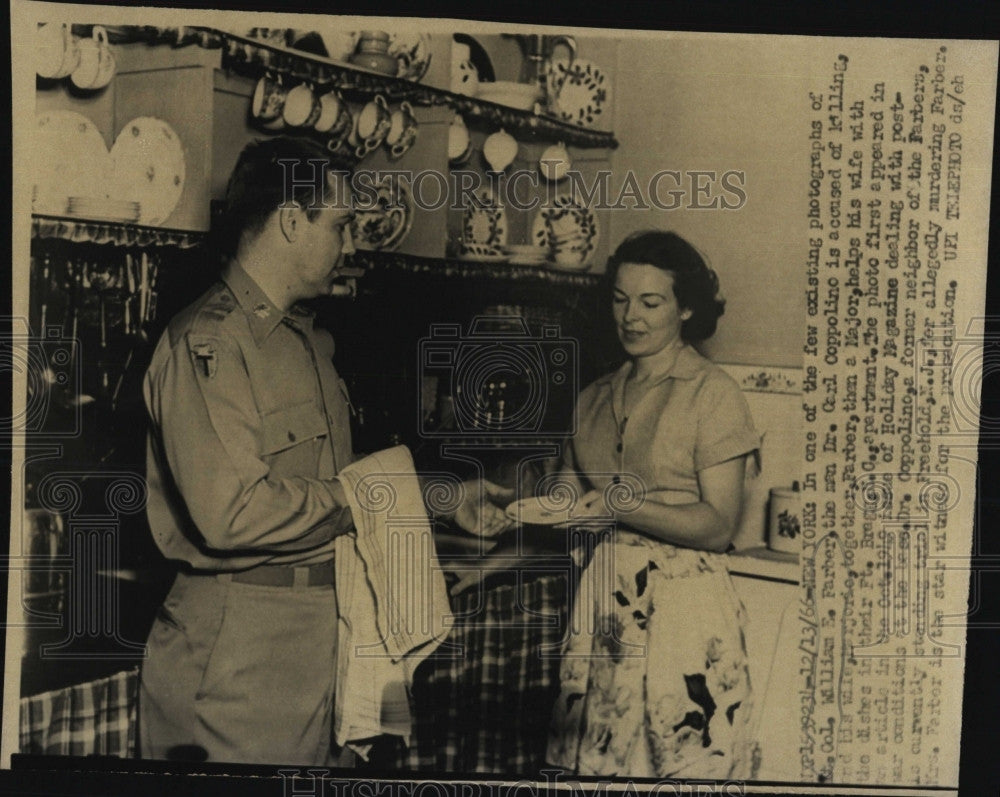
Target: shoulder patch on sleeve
204, 355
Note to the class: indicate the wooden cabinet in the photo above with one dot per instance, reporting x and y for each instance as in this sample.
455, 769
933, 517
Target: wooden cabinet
770, 594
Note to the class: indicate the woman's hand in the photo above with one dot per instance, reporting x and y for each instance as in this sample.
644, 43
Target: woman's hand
479, 512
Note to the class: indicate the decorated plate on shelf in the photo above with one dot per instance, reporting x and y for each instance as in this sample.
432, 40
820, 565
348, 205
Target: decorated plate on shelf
385, 224
582, 91
568, 230
71, 159
413, 52
149, 167
484, 230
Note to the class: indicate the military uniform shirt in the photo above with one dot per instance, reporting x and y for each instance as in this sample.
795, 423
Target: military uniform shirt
250, 425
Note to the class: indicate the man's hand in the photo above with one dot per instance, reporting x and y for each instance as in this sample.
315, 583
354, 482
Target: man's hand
480, 513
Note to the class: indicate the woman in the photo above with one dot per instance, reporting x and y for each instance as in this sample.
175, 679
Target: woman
654, 680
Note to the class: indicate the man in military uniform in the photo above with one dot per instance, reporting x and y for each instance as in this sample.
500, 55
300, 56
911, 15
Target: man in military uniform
249, 429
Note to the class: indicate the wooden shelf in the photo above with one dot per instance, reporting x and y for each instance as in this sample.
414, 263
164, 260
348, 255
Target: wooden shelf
388, 262
82, 230
253, 58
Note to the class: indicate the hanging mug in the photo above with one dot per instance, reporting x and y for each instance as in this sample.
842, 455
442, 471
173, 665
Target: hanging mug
459, 144
372, 126
331, 107
500, 149
268, 102
403, 130
342, 131
554, 163
57, 52
97, 62
302, 107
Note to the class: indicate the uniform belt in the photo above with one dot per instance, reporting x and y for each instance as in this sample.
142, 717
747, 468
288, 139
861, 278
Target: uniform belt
318, 575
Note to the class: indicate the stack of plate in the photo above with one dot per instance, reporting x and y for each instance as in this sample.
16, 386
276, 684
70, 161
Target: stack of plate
149, 168
71, 159
104, 208
526, 254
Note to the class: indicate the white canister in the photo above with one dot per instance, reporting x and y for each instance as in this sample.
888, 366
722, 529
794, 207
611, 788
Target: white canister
784, 528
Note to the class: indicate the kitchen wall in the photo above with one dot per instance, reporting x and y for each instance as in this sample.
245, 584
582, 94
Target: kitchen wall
697, 102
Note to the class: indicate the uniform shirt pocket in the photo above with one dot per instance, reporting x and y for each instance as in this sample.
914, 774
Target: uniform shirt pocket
291, 439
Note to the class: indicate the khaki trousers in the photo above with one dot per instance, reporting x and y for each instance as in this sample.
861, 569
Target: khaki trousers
240, 673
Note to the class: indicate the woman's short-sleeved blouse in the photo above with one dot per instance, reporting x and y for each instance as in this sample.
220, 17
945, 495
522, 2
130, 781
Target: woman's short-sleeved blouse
691, 418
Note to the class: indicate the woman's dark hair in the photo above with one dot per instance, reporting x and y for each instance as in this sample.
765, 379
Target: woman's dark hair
696, 286
268, 173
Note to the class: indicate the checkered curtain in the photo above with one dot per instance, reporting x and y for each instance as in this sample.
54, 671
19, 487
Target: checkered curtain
481, 703
95, 718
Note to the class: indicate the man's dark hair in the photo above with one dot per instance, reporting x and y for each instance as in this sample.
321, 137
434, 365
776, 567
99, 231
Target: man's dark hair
270, 173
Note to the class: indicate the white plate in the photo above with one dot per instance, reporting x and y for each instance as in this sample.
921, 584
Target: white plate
546, 512
149, 167
538, 512
563, 217
71, 160
582, 91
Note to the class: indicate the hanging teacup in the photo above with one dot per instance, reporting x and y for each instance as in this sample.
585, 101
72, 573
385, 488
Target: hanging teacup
372, 126
403, 130
268, 103
302, 107
554, 163
331, 112
458, 141
500, 149
57, 51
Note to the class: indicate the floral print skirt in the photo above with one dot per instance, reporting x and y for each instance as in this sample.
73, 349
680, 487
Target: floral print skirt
654, 679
